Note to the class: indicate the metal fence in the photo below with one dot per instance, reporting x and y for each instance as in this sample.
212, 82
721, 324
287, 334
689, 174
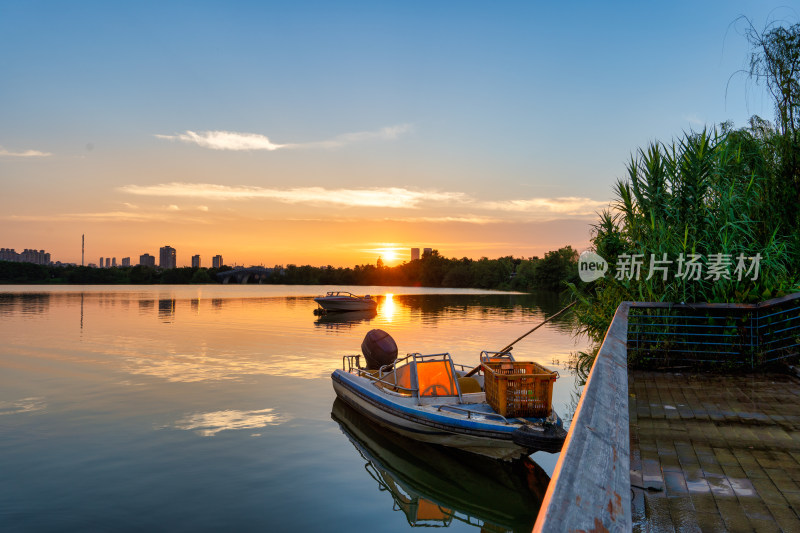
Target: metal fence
590, 486
725, 335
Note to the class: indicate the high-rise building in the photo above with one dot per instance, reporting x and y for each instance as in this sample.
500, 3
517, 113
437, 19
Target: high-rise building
166, 257
147, 260
414, 254
101, 263
196, 261
108, 262
126, 261
38, 257
426, 252
113, 261
217, 261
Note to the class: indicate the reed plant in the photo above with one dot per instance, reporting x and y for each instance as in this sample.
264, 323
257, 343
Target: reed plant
707, 193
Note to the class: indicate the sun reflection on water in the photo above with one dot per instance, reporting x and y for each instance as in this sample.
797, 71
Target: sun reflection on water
388, 308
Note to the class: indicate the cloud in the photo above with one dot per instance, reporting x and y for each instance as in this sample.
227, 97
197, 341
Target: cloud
394, 197
26, 153
569, 205
231, 140
693, 119
387, 197
457, 219
109, 216
225, 140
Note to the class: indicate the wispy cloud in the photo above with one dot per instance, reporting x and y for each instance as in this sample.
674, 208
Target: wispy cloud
110, 216
693, 119
388, 197
225, 140
394, 197
466, 219
26, 153
569, 205
236, 141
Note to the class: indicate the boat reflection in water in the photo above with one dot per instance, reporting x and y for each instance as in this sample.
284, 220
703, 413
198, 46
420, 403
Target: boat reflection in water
434, 485
346, 319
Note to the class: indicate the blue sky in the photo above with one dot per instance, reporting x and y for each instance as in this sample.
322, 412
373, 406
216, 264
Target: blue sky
459, 109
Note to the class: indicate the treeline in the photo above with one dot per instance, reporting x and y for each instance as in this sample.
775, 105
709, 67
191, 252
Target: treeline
551, 272
30, 273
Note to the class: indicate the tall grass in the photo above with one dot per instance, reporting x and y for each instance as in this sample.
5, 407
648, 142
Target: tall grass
707, 193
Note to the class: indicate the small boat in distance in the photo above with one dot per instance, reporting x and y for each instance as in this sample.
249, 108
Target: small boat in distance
345, 301
504, 411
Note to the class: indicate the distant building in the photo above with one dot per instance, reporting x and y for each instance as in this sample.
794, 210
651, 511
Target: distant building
113, 261
414, 254
427, 252
166, 257
108, 262
9, 254
147, 260
126, 261
102, 263
38, 257
195, 261
217, 261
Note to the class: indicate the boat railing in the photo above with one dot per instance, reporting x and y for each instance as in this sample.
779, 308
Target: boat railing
388, 374
352, 365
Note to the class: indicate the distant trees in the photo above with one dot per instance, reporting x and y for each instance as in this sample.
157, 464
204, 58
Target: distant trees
552, 273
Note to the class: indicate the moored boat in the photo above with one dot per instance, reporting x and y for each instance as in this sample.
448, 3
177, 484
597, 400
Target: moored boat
345, 301
429, 398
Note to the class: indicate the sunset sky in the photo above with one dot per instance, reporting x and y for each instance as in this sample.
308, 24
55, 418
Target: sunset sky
327, 132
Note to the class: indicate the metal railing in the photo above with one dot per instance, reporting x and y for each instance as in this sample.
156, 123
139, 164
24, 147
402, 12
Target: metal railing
731, 335
590, 488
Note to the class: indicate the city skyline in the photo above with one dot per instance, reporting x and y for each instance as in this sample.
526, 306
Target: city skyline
312, 133
168, 254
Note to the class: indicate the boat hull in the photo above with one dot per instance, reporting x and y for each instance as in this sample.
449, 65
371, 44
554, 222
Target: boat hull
490, 438
346, 304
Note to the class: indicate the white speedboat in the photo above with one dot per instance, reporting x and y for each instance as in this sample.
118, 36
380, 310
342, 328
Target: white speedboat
345, 301
429, 398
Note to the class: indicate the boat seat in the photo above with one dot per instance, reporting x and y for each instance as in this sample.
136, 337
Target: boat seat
469, 385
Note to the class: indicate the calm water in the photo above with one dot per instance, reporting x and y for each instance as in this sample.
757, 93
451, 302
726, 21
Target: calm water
195, 408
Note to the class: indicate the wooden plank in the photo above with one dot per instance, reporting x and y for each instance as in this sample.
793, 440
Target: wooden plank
590, 489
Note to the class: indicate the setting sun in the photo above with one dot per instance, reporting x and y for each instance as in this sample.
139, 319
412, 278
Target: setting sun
389, 256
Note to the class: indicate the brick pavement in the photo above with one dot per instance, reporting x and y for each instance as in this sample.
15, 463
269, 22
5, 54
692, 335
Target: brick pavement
714, 452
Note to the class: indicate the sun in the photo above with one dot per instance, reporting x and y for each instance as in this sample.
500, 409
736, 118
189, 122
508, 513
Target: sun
389, 256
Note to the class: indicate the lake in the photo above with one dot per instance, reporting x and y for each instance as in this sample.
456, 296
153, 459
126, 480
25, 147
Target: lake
207, 408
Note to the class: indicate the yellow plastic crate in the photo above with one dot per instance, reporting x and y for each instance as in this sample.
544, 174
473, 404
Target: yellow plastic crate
519, 388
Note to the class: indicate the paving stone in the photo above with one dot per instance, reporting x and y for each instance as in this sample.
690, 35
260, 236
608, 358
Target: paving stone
710, 522
727, 448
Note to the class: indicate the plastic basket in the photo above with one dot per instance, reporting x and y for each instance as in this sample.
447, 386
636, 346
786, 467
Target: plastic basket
519, 388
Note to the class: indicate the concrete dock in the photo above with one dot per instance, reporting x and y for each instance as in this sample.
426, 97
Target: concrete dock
713, 452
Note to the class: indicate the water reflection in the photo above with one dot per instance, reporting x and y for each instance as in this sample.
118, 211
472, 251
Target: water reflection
346, 319
166, 309
433, 486
388, 307
24, 304
209, 424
